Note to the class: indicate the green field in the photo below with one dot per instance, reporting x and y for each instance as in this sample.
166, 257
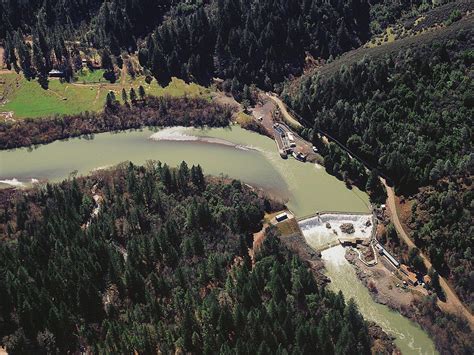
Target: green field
27, 99
86, 76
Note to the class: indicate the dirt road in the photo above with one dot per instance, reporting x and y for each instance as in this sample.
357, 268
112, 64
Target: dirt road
453, 303
289, 118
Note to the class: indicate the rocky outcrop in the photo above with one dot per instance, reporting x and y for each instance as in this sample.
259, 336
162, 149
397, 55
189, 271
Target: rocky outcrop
347, 228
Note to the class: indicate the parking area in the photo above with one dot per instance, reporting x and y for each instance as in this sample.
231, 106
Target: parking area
289, 143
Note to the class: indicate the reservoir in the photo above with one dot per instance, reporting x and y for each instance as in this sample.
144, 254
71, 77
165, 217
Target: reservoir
233, 152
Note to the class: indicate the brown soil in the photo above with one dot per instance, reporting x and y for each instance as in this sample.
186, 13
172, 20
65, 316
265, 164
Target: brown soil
258, 239
1, 57
382, 283
221, 98
265, 109
404, 210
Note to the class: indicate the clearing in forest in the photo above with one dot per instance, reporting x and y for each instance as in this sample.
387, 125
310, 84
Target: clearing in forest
27, 99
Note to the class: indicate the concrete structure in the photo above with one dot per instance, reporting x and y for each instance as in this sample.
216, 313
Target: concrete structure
320, 237
281, 217
282, 141
384, 252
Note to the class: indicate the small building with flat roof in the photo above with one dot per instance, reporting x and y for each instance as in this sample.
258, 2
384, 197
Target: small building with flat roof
383, 251
281, 217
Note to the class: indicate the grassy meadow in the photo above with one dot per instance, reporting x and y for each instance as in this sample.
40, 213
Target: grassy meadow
27, 99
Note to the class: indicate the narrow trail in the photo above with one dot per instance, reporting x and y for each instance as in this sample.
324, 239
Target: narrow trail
97, 95
123, 76
453, 303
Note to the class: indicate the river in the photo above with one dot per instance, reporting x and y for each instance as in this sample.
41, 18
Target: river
409, 337
233, 152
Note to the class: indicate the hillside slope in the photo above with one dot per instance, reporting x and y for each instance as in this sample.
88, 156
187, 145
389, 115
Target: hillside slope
407, 107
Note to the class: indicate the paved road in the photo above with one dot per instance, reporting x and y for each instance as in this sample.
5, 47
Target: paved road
453, 303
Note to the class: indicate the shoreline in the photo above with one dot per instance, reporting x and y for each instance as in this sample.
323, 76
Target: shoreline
297, 244
156, 112
414, 311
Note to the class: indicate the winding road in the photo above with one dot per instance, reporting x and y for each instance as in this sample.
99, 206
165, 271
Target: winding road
453, 304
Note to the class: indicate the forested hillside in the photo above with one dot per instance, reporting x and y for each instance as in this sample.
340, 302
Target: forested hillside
112, 24
252, 41
245, 41
164, 266
410, 114
442, 225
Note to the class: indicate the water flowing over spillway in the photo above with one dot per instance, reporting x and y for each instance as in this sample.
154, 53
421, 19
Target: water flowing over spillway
326, 228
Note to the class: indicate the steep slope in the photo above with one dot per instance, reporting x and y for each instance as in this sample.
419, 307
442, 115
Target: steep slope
406, 107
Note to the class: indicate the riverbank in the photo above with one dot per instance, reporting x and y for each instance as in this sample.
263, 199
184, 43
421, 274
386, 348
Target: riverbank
382, 343
302, 186
166, 111
449, 336
409, 337
309, 187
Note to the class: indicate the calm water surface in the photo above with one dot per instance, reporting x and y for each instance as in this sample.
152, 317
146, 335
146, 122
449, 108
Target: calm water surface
234, 152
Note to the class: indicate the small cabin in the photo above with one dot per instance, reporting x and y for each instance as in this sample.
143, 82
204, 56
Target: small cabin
411, 276
281, 217
412, 279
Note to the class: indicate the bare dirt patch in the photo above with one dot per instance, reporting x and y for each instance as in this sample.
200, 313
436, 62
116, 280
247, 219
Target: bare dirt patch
263, 112
2, 50
385, 287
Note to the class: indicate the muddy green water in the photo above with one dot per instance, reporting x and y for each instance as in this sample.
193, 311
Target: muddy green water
409, 337
234, 152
